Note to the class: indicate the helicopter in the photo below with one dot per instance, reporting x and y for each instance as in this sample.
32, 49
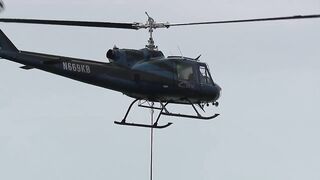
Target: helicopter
146, 75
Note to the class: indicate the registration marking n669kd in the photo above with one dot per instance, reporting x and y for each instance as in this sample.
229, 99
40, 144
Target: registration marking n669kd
76, 67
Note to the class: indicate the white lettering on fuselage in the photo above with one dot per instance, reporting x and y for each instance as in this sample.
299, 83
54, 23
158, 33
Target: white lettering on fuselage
185, 84
76, 67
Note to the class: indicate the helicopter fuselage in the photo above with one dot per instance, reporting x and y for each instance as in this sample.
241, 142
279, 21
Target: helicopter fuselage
136, 82
149, 76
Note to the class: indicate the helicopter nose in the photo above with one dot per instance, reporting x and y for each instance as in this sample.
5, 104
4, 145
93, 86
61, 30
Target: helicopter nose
218, 87
218, 91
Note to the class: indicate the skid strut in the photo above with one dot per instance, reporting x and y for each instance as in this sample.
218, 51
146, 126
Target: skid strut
198, 116
154, 125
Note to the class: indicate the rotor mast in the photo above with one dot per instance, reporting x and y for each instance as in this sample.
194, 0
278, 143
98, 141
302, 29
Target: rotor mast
151, 24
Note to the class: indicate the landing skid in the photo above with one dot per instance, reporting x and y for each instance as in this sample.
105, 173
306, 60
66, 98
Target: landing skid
143, 125
163, 111
191, 116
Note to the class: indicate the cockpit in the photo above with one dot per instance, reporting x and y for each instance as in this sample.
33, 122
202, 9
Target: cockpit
179, 69
194, 72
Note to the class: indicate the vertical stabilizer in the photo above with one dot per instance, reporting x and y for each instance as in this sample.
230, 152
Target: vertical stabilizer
6, 44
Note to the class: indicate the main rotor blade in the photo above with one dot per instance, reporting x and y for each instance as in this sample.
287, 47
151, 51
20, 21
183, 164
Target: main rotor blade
250, 20
72, 23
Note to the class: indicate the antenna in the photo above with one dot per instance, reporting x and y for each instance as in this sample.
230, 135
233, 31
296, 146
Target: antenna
180, 51
197, 59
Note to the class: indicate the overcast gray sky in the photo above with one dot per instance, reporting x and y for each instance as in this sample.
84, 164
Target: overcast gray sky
55, 128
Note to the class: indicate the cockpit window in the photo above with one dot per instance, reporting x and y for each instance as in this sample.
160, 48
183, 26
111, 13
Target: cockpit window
205, 77
185, 72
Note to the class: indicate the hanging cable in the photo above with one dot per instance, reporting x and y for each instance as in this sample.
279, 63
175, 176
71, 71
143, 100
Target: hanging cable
151, 142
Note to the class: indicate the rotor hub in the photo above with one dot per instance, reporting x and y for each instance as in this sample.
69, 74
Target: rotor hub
151, 24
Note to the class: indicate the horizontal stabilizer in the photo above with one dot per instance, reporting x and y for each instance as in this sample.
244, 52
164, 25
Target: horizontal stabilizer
27, 67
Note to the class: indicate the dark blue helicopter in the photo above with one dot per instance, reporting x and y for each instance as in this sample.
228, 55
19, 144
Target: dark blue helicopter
145, 75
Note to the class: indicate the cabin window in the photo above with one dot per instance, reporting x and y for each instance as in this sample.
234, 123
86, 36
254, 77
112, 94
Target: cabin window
161, 68
205, 77
185, 72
